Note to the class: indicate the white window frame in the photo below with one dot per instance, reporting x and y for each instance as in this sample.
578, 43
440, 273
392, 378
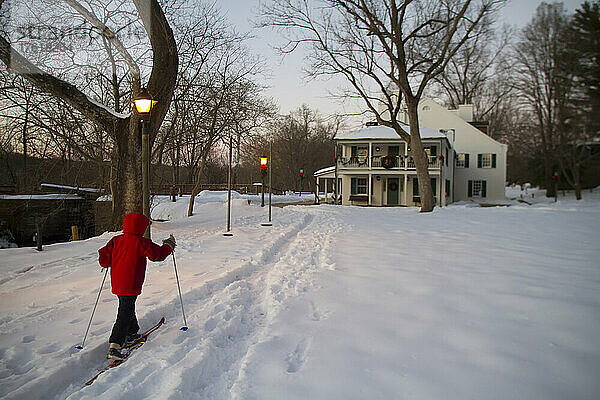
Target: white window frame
359, 186
461, 163
486, 160
477, 193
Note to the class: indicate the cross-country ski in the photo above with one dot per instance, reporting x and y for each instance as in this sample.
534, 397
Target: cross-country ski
128, 349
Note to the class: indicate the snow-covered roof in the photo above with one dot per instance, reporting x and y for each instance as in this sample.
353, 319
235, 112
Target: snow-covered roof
59, 196
323, 171
386, 133
53, 186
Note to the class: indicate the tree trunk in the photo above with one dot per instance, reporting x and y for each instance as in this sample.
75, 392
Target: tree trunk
197, 186
128, 171
578, 192
420, 158
549, 174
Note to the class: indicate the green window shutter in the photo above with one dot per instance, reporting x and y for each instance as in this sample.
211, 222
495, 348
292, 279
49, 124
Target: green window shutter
483, 188
353, 186
415, 187
493, 160
434, 185
479, 160
467, 160
470, 189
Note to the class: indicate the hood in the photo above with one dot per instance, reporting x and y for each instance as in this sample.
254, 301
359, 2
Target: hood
135, 223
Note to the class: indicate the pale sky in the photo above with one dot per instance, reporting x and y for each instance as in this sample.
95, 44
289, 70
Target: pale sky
287, 85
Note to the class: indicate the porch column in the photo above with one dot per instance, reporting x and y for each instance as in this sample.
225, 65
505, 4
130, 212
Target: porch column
317, 188
370, 188
405, 189
370, 153
443, 191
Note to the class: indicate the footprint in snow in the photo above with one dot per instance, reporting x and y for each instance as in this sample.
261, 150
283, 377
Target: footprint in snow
52, 348
211, 324
316, 314
296, 359
28, 339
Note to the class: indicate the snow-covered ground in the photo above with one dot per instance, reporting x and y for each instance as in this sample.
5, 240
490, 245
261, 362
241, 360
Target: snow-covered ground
330, 302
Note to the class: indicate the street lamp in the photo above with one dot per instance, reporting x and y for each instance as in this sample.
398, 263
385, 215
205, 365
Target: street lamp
263, 167
143, 104
301, 178
263, 171
228, 232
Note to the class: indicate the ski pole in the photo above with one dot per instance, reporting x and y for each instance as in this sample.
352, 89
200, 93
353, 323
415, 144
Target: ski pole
93, 311
184, 327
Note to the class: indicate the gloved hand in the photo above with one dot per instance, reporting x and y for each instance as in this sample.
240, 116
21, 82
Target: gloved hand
170, 241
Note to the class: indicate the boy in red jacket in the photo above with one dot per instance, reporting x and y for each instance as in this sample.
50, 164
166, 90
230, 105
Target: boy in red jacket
126, 256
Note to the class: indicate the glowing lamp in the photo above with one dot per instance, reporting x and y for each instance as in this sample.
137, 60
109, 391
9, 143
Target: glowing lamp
144, 102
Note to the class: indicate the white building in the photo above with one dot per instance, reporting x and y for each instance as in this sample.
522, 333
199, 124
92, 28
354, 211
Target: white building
480, 162
373, 165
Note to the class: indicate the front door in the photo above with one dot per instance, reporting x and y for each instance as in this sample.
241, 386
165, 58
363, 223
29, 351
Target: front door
393, 189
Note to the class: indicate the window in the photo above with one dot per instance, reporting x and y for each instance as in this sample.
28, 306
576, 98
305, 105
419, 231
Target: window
360, 151
358, 186
462, 160
431, 151
477, 189
486, 160
447, 187
416, 186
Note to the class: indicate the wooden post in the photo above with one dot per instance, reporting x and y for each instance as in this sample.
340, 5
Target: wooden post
38, 235
75, 232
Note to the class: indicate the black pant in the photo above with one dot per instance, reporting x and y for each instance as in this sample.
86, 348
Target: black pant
126, 323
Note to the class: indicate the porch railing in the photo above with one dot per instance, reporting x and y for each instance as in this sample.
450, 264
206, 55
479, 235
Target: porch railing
386, 162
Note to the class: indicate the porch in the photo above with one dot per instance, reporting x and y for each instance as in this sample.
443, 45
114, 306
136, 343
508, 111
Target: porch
387, 189
381, 188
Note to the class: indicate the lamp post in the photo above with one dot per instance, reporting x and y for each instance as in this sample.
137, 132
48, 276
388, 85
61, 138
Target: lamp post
143, 104
228, 232
269, 165
301, 178
263, 171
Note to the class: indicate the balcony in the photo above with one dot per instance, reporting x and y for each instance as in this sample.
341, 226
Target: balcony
386, 162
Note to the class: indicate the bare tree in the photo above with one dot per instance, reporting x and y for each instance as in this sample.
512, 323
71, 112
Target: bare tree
227, 89
301, 139
121, 127
480, 74
383, 48
539, 52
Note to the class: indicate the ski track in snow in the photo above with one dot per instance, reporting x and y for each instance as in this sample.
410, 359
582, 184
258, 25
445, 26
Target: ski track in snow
226, 316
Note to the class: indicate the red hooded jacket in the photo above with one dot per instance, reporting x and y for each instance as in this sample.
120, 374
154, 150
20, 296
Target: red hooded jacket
126, 255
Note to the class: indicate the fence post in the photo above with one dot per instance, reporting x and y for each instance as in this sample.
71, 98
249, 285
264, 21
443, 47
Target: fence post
75, 232
38, 235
